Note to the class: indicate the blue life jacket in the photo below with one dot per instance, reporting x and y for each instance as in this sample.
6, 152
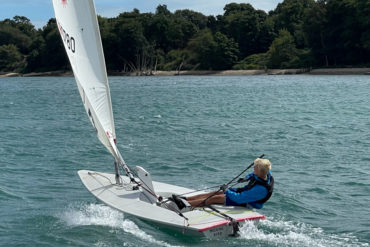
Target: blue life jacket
255, 193
253, 182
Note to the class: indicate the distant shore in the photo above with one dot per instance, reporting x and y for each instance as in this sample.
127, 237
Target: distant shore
326, 71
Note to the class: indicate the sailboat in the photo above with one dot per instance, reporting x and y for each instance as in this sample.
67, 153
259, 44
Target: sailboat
134, 192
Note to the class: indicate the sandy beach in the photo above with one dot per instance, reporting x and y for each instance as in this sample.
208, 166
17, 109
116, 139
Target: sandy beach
323, 71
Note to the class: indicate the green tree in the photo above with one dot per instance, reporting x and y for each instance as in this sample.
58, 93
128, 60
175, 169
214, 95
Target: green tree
11, 35
167, 32
131, 43
290, 15
197, 19
363, 10
24, 25
50, 54
283, 52
344, 32
10, 58
226, 52
177, 60
188, 23
314, 32
34, 59
255, 61
215, 52
338, 32
315, 25
247, 27
202, 47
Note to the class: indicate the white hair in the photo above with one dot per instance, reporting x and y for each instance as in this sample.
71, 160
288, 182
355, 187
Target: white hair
264, 165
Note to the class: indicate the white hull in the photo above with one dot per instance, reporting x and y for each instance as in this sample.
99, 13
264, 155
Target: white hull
201, 221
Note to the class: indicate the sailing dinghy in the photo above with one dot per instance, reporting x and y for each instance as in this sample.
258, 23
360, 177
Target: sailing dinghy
136, 195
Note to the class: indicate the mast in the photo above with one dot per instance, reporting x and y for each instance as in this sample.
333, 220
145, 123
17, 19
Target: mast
118, 161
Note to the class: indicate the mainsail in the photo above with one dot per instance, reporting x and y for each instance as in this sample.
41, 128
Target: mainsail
81, 39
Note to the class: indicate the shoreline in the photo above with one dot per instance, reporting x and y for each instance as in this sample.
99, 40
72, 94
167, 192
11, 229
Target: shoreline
324, 71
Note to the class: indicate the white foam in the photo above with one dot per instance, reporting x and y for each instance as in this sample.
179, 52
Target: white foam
101, 215
287, 233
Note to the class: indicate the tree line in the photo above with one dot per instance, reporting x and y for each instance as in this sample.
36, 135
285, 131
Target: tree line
296, 34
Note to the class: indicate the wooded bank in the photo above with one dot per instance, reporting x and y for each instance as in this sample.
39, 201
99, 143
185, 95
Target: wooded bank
299, 34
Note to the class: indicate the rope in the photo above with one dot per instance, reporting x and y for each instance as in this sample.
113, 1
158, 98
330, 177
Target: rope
232, 180
225, 186
148, 190
146, 187
96, 173
234, 222
110, 181
176, 211
152, 193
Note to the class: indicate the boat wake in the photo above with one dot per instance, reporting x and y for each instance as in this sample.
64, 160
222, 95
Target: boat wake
278, 232
101, 215
269, 232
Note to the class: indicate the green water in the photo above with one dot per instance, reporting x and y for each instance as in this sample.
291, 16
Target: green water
194, 132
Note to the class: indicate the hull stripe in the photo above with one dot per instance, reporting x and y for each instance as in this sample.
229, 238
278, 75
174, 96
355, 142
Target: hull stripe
225, 222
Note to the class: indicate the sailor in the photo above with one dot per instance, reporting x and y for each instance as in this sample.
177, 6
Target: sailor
254, 194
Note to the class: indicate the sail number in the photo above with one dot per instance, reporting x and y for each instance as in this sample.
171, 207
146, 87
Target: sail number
67, 39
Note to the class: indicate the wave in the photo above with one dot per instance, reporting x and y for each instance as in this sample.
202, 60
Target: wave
278, 232
7, 195
101, 215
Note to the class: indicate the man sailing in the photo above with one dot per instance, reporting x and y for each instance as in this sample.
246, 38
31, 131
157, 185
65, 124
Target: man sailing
255, 194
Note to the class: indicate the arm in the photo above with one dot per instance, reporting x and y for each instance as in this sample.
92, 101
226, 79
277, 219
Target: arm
252, 195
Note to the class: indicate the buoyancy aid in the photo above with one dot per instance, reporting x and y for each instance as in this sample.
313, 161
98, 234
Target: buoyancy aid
253, 182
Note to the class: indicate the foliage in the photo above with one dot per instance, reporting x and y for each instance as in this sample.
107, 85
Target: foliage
10, 58
212, 52
247, 27
255, 61
315, 22
177, 60
282, 52
290, 15
295, 34
11, 35
203, 46
226, 52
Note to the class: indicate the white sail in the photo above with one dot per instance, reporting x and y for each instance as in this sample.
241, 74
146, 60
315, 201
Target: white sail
81, 39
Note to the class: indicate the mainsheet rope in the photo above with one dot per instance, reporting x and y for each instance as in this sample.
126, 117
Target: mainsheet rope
234, 222
223, 187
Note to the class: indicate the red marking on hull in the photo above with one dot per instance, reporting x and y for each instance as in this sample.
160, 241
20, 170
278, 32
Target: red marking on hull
225, 222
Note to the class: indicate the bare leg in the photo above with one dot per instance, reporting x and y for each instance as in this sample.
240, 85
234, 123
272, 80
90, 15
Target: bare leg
217, 199
204, 196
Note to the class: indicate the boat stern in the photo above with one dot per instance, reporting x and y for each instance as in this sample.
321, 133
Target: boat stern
227, 228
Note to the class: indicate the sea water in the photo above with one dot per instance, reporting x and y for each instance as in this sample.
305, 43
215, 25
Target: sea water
194, 132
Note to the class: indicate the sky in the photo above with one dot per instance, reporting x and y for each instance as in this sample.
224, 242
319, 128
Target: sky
40, 11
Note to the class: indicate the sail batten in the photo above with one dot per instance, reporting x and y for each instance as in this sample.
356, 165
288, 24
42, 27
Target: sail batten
82, 42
